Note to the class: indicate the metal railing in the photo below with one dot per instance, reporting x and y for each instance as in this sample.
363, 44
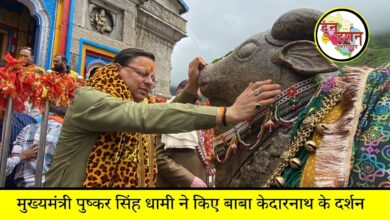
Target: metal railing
6, 134
5, 139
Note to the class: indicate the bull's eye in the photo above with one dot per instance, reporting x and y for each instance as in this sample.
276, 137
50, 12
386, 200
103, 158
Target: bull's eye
246, 50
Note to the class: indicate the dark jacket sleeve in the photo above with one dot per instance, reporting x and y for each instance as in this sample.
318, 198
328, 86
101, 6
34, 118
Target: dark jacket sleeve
185, 98
170, 171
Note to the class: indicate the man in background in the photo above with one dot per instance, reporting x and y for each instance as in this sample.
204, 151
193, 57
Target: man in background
181, 158
26, 55
29, 139
13, 161
62, 68
19, 121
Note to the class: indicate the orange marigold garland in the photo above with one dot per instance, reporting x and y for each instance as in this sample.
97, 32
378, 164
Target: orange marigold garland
207, 135
24, 85
160, 99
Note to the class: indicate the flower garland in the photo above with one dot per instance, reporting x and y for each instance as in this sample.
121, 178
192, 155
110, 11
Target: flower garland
205, 137
22, 84
160, 99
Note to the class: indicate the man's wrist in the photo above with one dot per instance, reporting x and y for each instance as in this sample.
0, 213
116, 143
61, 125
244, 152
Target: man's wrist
219, 118
224, 116
230, 115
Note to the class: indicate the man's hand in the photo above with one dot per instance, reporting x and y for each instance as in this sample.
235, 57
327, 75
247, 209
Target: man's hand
194, 69
245, 104
197, 182
30, 153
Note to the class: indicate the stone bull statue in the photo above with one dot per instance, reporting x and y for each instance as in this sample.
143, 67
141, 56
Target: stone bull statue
326, 129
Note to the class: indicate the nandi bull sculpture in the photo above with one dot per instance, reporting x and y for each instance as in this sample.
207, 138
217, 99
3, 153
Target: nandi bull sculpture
328, 128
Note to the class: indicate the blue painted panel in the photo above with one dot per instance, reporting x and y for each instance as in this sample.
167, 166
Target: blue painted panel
101, 46
51, 7
93, 62
70, 29
184, 5
92, 59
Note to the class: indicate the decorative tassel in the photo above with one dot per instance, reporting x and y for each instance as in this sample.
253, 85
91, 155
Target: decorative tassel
333, 156
269, 125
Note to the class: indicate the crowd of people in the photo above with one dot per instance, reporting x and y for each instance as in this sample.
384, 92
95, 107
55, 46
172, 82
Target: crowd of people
110, 134
25, 128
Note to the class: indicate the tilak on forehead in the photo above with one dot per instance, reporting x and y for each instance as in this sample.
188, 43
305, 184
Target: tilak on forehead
146, 64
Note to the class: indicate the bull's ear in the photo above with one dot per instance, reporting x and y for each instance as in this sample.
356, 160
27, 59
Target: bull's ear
303, 57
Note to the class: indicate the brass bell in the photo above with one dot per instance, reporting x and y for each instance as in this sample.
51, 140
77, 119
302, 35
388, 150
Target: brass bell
311, 146
279, 181
321, 128
295, 163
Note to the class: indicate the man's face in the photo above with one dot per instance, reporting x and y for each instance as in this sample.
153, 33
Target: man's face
58, 64
26, 56
138, 75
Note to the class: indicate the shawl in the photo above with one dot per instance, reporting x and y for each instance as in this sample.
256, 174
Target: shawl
120, 159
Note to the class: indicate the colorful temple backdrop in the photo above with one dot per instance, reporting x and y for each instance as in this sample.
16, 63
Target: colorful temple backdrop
91, 32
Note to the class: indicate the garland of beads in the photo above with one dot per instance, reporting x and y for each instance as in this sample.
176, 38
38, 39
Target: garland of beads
268, 123
294, 102
308, 119
280, 99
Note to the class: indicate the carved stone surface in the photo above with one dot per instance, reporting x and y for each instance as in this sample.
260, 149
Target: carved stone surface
286, 55
101, 20
104, 19
265, 56
162, 50
263, 160
135, 23
164, 14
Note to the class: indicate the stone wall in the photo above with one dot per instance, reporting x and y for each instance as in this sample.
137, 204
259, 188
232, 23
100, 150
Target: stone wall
158, 29
163, 50
153, 25
172, 6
